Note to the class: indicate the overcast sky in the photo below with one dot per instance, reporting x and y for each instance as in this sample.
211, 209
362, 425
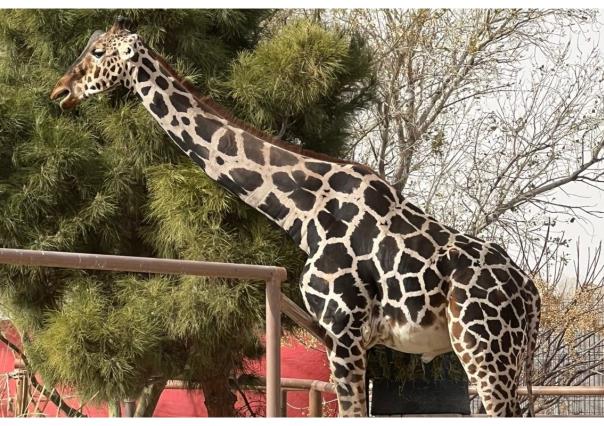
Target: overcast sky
587, 233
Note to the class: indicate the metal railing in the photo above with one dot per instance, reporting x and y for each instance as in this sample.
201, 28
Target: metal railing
316, 388
276, 302
555, 390
273, 276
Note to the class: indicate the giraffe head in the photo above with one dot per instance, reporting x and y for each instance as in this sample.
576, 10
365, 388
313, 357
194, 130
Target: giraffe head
102, 66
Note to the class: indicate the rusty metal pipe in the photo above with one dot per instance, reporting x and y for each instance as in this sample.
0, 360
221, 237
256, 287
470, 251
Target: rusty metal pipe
555, 390
273, 347
302, 318
307, 384
283, 402
129, 407
106, 262
315, 403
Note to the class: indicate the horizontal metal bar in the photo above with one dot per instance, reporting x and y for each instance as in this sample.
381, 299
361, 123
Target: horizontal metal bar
286, 383
302, 318
537, 390
555, 390
104, 262
307, 384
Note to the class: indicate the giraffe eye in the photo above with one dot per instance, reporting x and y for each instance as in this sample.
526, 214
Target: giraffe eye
97, 53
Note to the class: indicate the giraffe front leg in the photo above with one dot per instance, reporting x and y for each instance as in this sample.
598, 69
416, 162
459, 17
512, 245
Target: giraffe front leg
348, 374
341, 309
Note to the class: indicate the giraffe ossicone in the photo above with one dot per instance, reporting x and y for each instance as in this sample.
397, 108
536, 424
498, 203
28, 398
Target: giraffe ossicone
379, 270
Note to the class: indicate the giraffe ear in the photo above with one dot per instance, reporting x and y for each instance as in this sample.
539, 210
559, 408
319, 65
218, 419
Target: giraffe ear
120, 24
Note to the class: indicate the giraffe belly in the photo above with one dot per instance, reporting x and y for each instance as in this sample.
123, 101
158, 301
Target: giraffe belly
411, 338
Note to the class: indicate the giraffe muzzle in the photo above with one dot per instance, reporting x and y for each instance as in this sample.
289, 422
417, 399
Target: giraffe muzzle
63, 92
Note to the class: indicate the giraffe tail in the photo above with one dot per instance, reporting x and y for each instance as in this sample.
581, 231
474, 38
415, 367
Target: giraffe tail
534, 310
528, 372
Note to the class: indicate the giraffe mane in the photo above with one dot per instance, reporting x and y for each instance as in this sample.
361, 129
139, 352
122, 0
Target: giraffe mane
219, 110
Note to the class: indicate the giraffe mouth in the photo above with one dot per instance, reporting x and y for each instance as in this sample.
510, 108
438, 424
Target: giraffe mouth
67, 101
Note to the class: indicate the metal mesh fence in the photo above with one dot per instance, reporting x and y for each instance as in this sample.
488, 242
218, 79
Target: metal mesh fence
579, 361
581, 364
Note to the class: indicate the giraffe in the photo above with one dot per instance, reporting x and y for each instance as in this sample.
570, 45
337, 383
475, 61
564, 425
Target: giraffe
379, 270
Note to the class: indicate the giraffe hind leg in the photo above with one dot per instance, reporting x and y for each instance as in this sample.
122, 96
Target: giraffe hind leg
496, 383
499, 401
489, 348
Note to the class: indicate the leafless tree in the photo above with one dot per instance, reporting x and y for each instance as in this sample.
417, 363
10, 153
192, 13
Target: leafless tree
482, 113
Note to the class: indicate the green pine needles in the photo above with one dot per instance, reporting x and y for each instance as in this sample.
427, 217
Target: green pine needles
305, 83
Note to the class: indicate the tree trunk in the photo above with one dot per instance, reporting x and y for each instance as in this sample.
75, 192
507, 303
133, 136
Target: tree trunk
219, 399
115, 409
148, 399
129, 408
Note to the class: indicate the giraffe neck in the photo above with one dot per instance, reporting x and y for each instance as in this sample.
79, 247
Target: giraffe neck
282, 185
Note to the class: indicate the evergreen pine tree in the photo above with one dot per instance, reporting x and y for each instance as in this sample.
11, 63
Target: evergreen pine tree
304, 84
105, 179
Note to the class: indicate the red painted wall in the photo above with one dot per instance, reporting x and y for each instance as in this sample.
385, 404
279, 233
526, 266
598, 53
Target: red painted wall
297, 361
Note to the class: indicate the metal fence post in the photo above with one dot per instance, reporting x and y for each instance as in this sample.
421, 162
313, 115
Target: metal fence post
22, 393
315, 403
283, 403
273, 346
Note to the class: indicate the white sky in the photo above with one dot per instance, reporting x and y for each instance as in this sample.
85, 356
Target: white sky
589, 233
